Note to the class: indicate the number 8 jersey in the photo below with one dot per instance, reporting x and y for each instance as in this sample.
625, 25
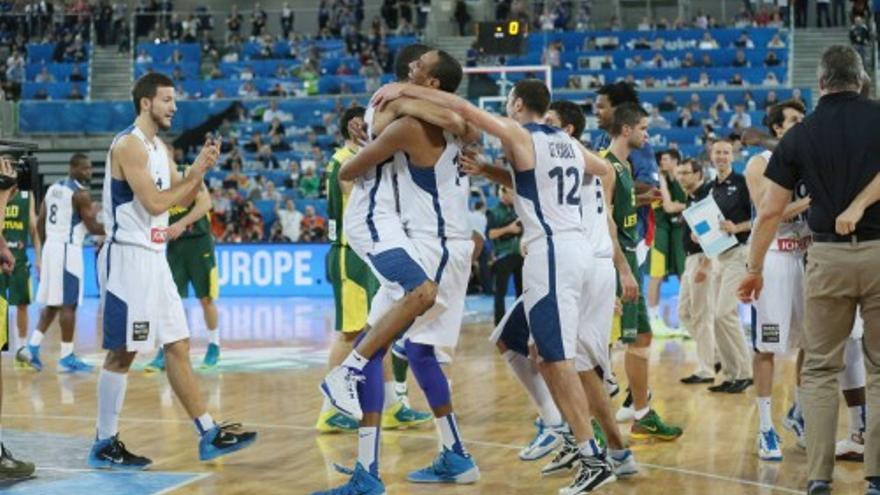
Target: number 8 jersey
63, 223
548, 198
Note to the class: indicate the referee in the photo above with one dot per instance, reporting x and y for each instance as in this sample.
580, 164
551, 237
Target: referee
836, 154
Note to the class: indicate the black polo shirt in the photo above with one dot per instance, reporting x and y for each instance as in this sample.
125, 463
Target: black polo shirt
836, 152
691, 247
732, 197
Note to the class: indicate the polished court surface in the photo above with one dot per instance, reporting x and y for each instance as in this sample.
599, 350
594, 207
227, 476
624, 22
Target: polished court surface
274, 351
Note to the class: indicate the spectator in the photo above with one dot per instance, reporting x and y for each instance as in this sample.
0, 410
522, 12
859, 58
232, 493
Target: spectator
248, 91
289, 221
688, 61
177, 74
233, 23
553, 54
176, 57
608, 63
246, 74
505, 231
740, 118
668, 104
706, 61
686, 120
657, 121
461, 16
273, 113
860, 38
251, 223
749, 101
267, 158
287, 19
271, 193
292, 180
45, 76
309, 183
144, 57
258, 20
740, 59
695, 104
41, 94
776, 42
74, 93
704, 81
708, 42
76, 75
278, 143
736, 80
771, 60
770, 80
313, 227
720, 104
743, 41
771, 100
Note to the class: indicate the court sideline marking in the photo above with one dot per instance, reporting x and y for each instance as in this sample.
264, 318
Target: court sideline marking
402, 434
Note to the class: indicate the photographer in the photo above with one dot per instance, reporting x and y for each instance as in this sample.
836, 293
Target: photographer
10, 468
505, 231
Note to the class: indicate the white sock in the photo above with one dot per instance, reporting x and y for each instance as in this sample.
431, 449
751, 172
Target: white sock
368, 448
356, 361
535, 385
214, 336
390, 395
449, 434
590, 448
66, 349
36, 338
641, 413
856, 419
204, 423
653, 311
765, 413
111, 395
400, 389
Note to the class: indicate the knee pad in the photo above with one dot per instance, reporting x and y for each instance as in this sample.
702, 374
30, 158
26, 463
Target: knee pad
425, 367
853, 376
639, 352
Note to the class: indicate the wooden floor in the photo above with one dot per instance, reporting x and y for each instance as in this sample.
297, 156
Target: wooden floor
45, 413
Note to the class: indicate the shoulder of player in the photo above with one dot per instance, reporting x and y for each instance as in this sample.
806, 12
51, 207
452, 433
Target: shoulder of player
129, 146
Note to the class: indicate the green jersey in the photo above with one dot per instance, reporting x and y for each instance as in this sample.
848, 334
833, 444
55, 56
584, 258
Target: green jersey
336, 199
624, 204
16, 229
677, 194
200, 227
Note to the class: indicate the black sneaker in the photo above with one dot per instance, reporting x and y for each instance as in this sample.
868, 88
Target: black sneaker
110, 453
11, 468
224, 439
739, 386
566, 458
696, 379
593, 473
722, 387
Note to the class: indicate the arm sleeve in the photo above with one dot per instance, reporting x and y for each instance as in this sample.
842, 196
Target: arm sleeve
783, 169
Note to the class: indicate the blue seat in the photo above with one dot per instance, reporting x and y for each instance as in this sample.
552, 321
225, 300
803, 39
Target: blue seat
56, 91
161, 52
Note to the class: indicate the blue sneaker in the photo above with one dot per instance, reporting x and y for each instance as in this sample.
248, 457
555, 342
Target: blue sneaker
110, 453
157, 365
35, 357
769, 445
362, 482
212, 355
794, 423
546, 440
818, 487
873, 488
448, 467
72, 364
623, 463
224, 439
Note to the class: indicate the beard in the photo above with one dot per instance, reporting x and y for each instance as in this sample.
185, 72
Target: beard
159, 121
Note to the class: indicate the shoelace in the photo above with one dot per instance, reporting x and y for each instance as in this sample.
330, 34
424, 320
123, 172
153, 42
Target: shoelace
227, 426
353, 378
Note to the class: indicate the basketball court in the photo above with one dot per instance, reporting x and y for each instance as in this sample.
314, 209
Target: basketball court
274, 355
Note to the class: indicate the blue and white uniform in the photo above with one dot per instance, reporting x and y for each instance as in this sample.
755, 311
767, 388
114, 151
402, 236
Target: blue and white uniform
556, 268
435, 216
61, 275
597, 312
141, 303
374, 231
778, 316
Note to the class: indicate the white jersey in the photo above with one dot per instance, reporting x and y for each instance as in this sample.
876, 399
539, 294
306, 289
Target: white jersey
63, 223
595, 217
793, 234
372, 200
128, 222
547, 197
434, 200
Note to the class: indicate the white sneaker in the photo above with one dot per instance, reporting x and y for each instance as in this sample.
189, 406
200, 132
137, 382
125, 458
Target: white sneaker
547, 439
625, 464
851, 448
769, 445
795, 424
340, 388
625, 414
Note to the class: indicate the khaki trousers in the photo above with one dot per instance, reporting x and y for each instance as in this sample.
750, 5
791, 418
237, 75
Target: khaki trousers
728, 270
695, 312
839, 277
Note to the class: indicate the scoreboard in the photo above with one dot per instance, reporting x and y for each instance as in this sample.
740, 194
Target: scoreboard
502, 38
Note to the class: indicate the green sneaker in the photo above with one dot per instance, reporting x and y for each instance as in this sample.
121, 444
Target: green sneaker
13, 469
599, 434
157, 365
399, 416
651, 426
